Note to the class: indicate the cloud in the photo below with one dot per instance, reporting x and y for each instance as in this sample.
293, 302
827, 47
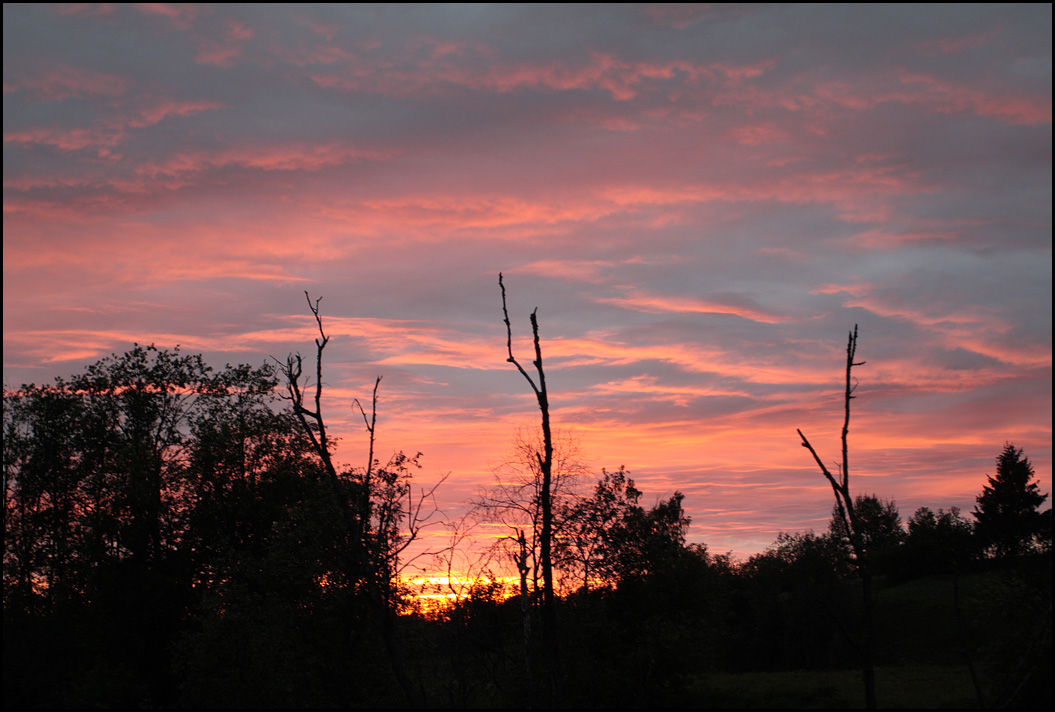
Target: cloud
687, 305
293, 157
699, 200
64, 81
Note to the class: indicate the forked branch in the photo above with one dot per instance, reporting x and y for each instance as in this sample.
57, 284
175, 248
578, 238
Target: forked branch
545, 461
509, 340
845, 506
841, 486
292, 371
371, 424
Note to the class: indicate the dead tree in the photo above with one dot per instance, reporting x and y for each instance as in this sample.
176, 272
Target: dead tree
545, 463
315, 428
373, 539
545, 458
515, 503
845, 507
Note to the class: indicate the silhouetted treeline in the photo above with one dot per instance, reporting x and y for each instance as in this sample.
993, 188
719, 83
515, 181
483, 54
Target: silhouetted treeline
172, 537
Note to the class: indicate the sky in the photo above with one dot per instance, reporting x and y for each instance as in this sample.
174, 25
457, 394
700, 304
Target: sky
701, 202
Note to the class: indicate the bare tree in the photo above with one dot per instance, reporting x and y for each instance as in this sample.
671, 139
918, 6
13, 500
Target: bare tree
545, 458
381, 515
514, 502
315, 427
844, 504
545, 463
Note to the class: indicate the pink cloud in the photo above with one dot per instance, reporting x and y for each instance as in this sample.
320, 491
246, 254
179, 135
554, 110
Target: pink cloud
939, 96
624, 80
758, 134
59, 346
606, 349
224, 50
883, 238
858, 192
217, 53
955, 45
289, 157
87, 9
65, 139
103, 137
181, 15
649, 386
677, 15
659, 304
468, 211
574, 270
327, 31
158, 111
947, 97
64, 81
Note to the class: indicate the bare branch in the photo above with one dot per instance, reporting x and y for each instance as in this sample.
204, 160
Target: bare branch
851, 351
371, 425
509, 339
318, 319
418, 520
806, 444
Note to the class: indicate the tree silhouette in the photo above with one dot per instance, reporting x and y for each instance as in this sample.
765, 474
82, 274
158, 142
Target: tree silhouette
1008, 520
846, 511
514, 502
128, 490
587, 546
545, 463
937, 543
611, 539
381, 515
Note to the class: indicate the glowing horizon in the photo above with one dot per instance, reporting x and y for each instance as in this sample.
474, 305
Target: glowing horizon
701, 202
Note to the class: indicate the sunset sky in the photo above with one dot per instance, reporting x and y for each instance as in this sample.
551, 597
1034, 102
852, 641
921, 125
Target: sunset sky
700, 201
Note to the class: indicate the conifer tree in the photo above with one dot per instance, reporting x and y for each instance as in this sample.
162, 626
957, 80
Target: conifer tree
1007, 510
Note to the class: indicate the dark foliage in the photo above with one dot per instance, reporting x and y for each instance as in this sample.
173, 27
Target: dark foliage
880, 530
937, 543
170, 537
609, 540
1009, 523
790, 599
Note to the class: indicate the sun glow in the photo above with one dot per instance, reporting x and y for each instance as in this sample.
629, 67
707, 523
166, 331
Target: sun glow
431, 594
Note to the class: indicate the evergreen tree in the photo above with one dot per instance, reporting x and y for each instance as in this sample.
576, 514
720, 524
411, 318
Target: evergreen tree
1007, 514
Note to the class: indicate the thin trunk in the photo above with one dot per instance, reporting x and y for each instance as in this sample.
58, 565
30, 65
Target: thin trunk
845, 506
545, 462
